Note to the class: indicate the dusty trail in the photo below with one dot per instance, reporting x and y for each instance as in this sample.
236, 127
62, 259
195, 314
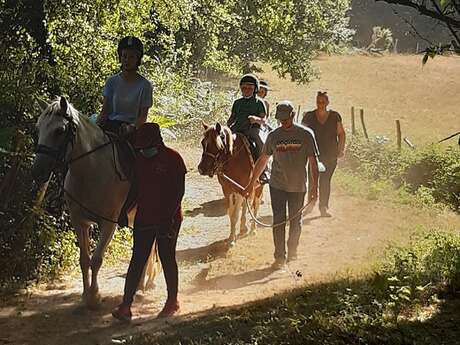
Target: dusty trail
210, 277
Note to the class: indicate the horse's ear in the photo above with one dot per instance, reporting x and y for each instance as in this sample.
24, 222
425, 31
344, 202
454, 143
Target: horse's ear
63, 105
218, 127
42, 104
205, 125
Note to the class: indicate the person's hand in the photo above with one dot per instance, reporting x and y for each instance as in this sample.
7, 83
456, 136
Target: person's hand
248, 190
127, 129
101, 120
254, 119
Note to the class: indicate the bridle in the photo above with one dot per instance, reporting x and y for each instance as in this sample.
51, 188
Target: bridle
220, 158
61, 164
59, 153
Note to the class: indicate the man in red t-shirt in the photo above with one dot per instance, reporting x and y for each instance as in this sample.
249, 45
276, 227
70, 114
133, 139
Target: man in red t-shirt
160, 173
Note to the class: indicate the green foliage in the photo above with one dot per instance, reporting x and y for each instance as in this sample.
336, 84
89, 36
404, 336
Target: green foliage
432, 173
415, 274
231, 35
183, 102
374, 310
33, 246
66, 47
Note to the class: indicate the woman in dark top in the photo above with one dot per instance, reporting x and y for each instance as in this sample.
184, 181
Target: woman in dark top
330, 136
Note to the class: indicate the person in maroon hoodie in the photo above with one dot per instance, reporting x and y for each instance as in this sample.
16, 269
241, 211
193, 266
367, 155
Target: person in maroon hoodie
160, 173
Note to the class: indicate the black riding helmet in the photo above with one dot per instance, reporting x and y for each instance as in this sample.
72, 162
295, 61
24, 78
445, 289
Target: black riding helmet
131, 42
252, 79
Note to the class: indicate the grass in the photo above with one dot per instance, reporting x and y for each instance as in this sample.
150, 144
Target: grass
409, 299
385, 191
424, 99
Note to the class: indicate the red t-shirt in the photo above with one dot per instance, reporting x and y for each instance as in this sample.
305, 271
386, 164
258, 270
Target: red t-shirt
160, 187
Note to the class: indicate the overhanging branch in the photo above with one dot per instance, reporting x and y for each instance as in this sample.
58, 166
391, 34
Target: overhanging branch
455, 23
452, 30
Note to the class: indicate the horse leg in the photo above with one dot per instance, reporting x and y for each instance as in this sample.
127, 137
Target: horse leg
237, 203
107, 230
258, 193
82, 232
243, 226
231, 214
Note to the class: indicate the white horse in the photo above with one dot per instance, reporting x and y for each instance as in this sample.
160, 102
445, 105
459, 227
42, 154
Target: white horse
95, 188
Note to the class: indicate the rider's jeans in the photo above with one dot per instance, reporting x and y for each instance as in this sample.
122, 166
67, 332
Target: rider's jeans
294, 202
254, 134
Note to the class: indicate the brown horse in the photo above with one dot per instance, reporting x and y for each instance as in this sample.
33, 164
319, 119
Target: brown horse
228, 156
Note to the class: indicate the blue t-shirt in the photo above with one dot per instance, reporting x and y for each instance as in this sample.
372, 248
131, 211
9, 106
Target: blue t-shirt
125, 99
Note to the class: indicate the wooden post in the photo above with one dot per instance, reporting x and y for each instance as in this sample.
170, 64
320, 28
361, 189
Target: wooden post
417, 48
398, 134
353, 127
298, 115
361, 115
395, 46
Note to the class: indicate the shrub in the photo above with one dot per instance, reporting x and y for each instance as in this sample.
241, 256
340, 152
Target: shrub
432, 172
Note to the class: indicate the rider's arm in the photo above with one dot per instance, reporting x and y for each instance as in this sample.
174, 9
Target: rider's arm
103, 116
259, 118
231, 119
313, 164
258, 169
142, 116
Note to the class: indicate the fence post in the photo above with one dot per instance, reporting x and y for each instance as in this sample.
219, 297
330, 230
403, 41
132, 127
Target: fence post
298, 114
361, 115
398, 134
395, 46
353, 127
408, 142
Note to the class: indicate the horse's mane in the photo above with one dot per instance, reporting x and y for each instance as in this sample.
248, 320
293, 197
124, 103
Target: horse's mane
54, 108
222, 144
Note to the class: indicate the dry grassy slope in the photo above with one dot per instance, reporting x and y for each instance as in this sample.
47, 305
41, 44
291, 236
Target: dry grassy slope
425, 99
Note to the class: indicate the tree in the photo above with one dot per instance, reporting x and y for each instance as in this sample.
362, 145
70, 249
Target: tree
231, 35
446, 12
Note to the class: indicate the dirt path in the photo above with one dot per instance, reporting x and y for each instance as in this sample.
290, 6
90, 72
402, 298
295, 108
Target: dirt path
210, 277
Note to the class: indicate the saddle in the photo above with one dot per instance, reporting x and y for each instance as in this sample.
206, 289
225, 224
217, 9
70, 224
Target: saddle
124, 164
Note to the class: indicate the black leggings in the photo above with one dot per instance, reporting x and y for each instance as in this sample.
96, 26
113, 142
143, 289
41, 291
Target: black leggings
143, 241
324, 182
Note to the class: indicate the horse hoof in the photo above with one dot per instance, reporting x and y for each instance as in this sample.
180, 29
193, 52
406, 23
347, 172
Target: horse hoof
243, 233
92, 300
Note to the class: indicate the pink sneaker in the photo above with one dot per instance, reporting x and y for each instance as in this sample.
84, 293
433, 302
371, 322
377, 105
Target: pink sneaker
122, 313
169, 309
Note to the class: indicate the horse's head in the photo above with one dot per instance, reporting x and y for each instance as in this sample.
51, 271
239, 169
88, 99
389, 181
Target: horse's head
217, 145
56, 128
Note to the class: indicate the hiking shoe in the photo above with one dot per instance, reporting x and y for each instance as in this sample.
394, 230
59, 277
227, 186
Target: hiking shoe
279, 264
122, 313
169, 310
